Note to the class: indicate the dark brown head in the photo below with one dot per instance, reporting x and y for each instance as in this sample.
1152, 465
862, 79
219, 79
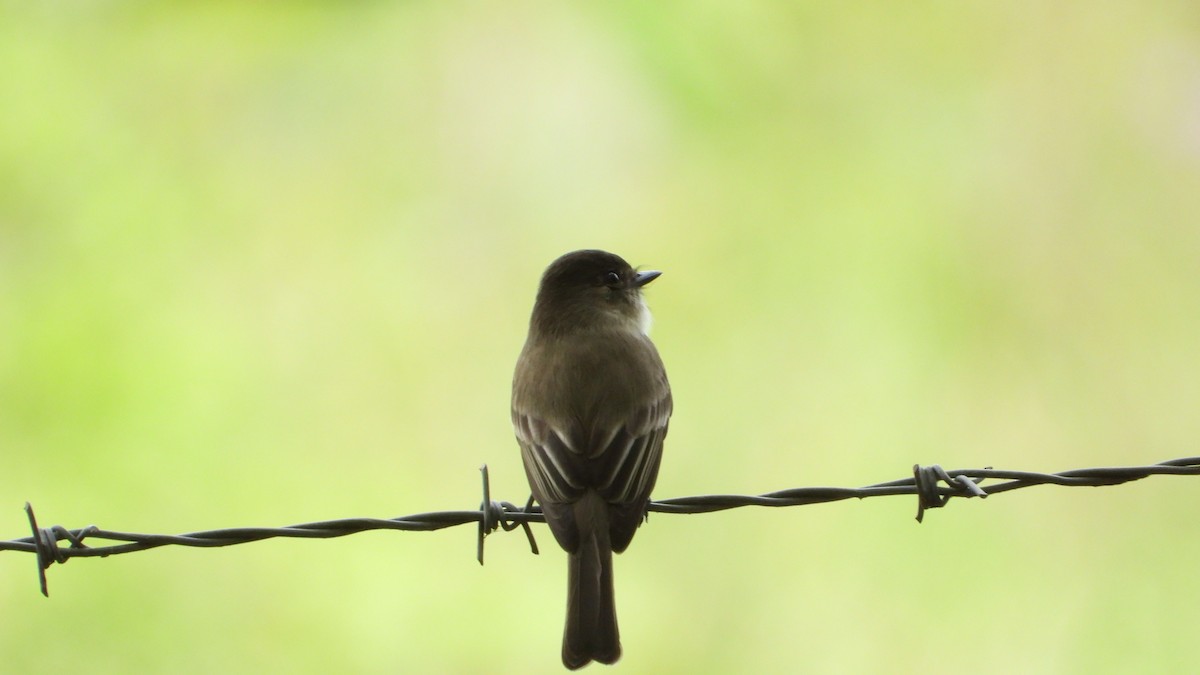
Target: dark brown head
593, 289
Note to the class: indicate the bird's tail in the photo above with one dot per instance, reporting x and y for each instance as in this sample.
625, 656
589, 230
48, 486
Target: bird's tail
591, 633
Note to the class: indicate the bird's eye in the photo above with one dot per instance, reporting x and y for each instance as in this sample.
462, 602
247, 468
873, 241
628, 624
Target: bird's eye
612, 279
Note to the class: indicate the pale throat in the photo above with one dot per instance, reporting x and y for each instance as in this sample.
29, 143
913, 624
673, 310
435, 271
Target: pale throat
644, 320
638, 321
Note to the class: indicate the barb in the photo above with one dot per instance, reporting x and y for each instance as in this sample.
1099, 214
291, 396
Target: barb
494, 514
933, 486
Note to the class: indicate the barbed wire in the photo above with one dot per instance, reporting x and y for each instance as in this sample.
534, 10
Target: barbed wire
932, 485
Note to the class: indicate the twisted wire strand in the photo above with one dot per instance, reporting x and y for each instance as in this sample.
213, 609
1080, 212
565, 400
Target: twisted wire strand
932, 485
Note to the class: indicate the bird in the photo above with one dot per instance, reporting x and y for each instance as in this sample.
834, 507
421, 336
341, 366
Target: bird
590, 408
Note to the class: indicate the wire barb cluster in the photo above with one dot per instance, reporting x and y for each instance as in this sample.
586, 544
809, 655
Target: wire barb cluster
933, 486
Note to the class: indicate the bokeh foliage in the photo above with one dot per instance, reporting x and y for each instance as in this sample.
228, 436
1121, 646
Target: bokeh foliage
269, 263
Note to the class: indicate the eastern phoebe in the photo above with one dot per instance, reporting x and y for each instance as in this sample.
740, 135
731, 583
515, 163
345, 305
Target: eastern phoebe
590, 407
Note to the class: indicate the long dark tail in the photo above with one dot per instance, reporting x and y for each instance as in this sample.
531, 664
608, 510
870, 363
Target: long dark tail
591, 632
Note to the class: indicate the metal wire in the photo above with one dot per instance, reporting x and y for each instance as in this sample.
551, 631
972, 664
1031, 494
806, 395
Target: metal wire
932, 485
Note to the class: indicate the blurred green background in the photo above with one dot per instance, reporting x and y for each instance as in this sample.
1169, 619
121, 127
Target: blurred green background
262, 264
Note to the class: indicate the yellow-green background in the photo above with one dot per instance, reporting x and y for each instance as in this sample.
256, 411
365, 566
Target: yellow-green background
265, 263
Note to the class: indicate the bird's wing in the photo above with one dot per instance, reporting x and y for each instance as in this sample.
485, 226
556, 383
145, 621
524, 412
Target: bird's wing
623, 472
630, 468
555, 472
556, 468
614, 450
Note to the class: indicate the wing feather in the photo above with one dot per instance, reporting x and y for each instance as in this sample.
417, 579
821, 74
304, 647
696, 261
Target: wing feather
614, 450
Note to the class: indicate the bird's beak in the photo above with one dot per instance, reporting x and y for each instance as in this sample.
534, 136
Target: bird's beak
642, 278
